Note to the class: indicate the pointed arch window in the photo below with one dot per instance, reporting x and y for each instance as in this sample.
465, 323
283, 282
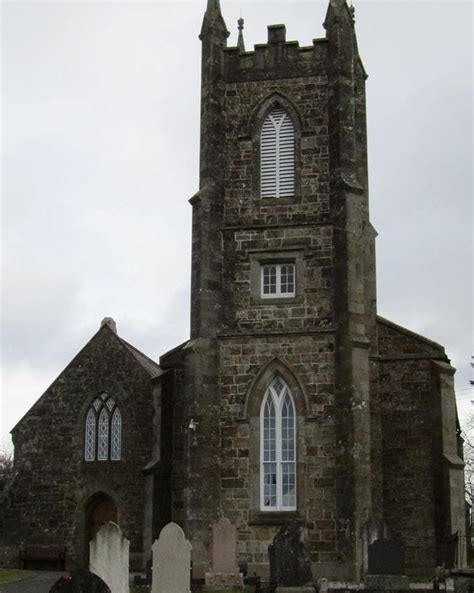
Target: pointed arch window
278, 448
277, 155
103, 430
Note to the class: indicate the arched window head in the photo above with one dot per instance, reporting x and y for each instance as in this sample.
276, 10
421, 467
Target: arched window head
278, 448
277, 155
103, 430
89, 447
116, 436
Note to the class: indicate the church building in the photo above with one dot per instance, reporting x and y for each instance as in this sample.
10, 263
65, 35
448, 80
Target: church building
291, 399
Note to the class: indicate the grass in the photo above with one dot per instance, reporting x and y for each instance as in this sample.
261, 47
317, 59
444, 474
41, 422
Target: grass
8, 575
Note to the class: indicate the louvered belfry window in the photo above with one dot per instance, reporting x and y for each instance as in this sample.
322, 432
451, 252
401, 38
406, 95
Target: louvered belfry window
277, 155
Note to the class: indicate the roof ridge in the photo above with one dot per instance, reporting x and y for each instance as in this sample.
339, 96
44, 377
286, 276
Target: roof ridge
139, 355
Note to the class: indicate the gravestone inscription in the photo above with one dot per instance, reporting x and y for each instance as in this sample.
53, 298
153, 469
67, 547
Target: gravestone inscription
80, 581
290, 560
171, 561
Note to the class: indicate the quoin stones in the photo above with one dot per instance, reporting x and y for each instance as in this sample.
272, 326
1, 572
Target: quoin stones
171, 561
109, 557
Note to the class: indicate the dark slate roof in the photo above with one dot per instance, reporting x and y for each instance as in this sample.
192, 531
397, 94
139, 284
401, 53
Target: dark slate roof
147, 363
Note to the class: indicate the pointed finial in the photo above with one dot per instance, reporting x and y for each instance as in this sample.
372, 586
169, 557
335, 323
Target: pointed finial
213, 6
241, 42
213, 21
352, 9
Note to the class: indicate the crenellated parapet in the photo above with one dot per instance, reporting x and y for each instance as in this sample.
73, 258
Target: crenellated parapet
278, 58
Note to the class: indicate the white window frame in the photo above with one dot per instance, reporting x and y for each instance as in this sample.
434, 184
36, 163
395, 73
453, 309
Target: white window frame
278, 294
278, 405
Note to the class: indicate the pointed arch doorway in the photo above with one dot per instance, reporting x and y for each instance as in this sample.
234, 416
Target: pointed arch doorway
99, 509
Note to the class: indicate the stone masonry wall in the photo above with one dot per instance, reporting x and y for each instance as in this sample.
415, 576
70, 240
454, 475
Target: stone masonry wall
311, 358
408, 430
298, 332
47, 501
243, 205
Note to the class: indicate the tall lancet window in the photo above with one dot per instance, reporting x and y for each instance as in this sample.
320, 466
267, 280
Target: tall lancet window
277, 155
278, 449
103, 430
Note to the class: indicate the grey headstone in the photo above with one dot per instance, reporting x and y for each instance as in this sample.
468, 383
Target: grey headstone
290, 560
386, 557
80, 581
109, 557
171, 561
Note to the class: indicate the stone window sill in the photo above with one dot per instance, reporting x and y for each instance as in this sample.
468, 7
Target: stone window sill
272, 517
277, 301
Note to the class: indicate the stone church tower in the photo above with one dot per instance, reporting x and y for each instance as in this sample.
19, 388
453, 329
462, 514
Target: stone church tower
292, 399
283, 393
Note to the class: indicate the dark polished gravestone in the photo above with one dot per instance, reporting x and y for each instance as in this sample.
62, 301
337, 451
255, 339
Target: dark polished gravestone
386, 566
80, 581
386, 557
290, 561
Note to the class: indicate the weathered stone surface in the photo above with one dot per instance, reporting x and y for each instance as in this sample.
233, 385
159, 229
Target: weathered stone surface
290, 561
171, 561
463, 580
386, 557
377, 582
224, 543
224, 573
370, 405
51, 471
294, 590
109, 557
80, 581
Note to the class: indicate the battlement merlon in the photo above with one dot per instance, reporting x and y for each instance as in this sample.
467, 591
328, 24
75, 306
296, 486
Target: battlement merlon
279, 58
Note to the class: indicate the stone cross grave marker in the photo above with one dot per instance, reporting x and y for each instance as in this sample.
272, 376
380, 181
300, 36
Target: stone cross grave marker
80, 581
290, 560
386, 557
171, 561
224, 573
109, 557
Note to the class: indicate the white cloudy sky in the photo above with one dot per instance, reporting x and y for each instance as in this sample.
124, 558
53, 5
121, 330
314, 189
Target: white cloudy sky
100, 120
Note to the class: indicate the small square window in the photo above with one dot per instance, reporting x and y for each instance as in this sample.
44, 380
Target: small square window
278, 280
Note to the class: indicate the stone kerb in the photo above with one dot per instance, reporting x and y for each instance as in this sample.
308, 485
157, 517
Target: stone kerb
224, 573
109, 557
171, 561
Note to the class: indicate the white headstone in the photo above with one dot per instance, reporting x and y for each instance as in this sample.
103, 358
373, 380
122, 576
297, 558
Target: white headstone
171, 561
109, 557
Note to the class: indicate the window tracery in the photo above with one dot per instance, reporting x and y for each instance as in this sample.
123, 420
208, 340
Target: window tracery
278, 448
103, 430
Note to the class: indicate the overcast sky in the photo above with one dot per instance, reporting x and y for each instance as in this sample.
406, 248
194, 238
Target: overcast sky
100, 114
